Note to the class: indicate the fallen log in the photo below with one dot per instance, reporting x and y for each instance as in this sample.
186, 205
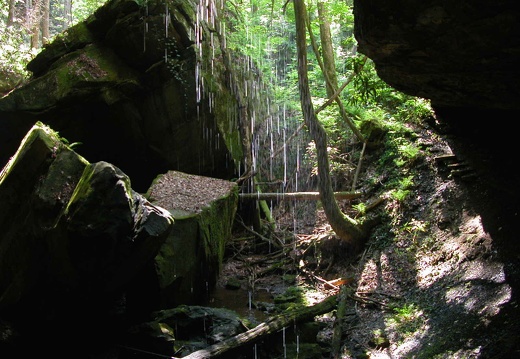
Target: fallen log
313, 196
344, 294
270, 326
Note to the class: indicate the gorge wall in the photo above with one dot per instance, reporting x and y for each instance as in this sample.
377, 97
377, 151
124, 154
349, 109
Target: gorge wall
148, 87
465, 57
462, 54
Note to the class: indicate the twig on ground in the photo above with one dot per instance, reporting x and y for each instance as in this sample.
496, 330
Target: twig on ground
277, 245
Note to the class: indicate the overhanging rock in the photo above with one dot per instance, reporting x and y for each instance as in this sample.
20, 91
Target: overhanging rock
459, 54
189, 261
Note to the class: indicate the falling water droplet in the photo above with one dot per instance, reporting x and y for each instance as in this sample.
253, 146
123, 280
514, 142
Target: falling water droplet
284, 152
145, 26
284, 345
297, 344
166, 18
297, 164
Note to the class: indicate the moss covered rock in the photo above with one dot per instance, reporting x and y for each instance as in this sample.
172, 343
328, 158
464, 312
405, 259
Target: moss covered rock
190, 260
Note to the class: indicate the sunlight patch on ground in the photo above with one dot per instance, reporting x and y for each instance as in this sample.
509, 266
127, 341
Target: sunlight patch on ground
489, 271
384, 272
455, 252
482, 299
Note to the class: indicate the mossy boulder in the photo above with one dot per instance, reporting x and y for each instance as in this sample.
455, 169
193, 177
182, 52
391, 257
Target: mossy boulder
182, 330
74, 234
190, 260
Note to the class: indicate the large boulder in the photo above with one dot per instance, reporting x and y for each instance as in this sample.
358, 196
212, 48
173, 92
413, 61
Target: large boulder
81, 247
75, 237
188, 263
183, 330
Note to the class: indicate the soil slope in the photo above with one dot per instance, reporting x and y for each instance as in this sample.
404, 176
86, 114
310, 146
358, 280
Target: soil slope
437, 278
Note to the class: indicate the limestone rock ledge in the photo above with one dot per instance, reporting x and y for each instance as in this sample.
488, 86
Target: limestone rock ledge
134, 92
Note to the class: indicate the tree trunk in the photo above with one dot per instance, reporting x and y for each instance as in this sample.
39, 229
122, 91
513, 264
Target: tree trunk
35, 36
12, 13
327, 51
33, 20
331, 85
345, 227
67, 12
337, 334
45, 22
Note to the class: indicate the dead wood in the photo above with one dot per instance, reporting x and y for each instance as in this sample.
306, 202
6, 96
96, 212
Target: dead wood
356, 175
338, 323
312, 196
264, 238
366, 300
335, 284
270, 326
273, 267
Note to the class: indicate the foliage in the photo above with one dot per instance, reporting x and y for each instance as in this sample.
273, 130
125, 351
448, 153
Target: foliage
15, 44
406, 319
263, 30
293, 297
15, 53
414, 227
82, 9
360, 207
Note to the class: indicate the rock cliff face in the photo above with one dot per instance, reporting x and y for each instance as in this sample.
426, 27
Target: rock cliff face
79, 245
458, 54
148, 88
464, 56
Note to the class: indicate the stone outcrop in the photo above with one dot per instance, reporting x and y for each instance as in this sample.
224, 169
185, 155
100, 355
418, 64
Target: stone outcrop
80, 245
464, 56
75, 236
182, 330
136, 93
458, 54
140, 89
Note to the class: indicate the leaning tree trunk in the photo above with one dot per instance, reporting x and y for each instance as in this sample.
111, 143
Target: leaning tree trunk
345, 227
